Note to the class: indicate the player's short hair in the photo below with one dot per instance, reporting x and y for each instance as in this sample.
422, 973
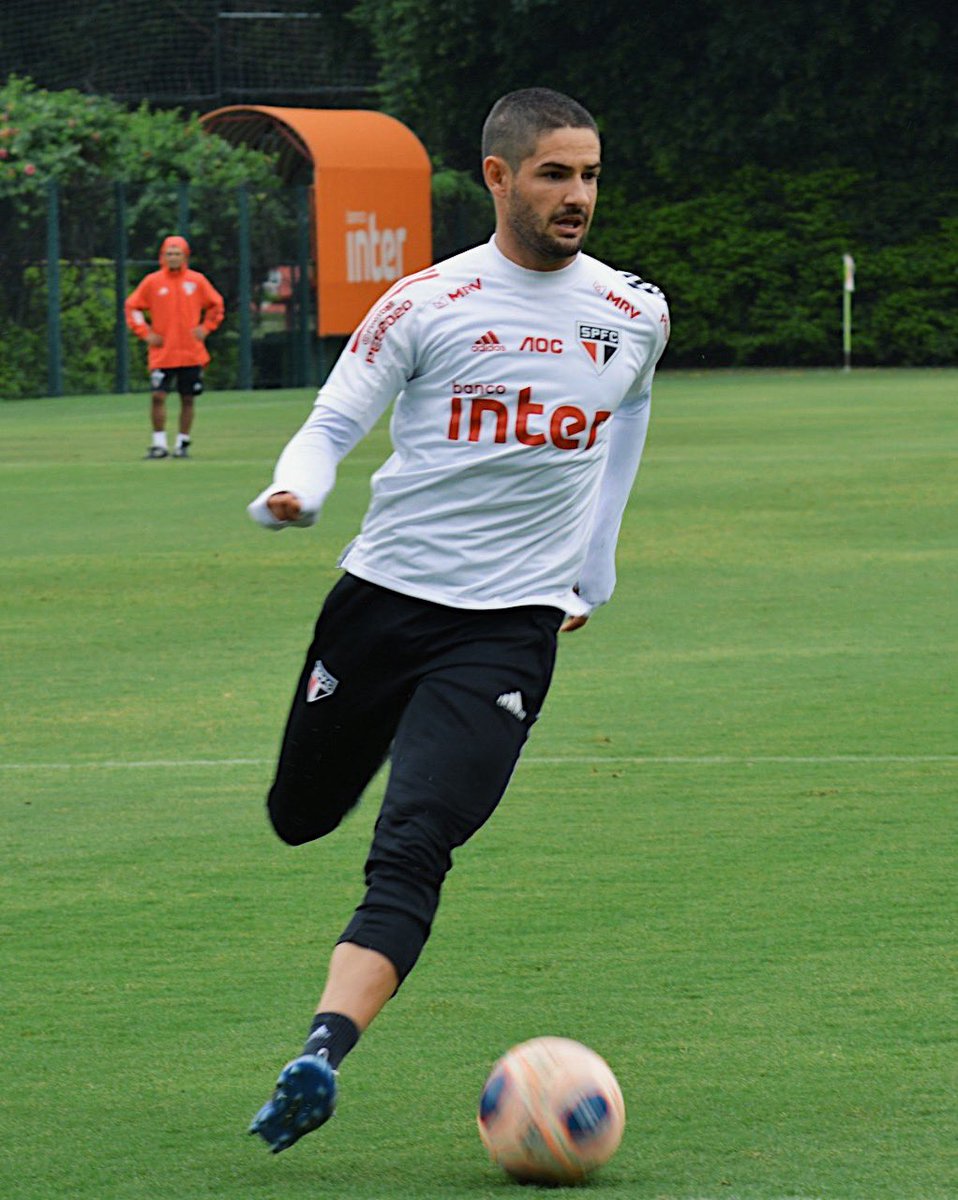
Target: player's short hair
518, 119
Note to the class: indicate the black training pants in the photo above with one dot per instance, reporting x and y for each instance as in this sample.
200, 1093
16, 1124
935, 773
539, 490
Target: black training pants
450, 695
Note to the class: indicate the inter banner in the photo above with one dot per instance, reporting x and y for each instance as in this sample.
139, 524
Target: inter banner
371, 197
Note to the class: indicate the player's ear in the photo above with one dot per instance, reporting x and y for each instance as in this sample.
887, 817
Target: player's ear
496, 173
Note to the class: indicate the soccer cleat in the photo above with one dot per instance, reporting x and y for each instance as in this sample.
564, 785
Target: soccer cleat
304, 1099
157, 452
182, 451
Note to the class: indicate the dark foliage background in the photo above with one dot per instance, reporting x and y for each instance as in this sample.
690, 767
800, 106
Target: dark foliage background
747, 146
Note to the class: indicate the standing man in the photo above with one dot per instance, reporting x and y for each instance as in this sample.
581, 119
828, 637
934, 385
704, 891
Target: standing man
522, 372
184, 308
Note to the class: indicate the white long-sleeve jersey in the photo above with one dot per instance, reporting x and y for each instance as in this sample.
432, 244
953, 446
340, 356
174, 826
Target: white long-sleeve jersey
521, 407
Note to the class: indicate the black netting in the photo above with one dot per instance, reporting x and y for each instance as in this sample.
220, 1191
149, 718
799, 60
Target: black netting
203, 53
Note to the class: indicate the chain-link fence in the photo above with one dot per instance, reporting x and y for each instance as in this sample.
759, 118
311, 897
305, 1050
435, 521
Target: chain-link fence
68, 263
67, 267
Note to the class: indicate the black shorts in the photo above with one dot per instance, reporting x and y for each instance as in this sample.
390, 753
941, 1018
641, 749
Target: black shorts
449, 695
188, 381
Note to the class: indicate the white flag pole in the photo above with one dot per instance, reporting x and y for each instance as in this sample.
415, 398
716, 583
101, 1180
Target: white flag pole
849, 264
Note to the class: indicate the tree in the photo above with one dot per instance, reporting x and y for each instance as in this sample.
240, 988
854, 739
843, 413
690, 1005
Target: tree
687, 93
746, 147
85, 145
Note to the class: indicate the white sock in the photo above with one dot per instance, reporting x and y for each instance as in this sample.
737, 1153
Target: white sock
159, 438
182, 439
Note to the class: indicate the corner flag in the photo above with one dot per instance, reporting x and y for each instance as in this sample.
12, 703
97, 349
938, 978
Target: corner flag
849, 264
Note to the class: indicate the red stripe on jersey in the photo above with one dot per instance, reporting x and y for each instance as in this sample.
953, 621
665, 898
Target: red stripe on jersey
403, 283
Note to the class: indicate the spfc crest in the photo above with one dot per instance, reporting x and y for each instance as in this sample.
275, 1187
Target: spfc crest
320, 683
601, 344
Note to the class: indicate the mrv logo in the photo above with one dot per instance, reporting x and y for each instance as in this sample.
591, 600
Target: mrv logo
373, 255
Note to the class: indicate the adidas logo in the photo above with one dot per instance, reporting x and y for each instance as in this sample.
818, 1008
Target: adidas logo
512, 703
316, 1042
488, 341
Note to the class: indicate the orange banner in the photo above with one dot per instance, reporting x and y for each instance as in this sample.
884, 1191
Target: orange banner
372, 215
372, 228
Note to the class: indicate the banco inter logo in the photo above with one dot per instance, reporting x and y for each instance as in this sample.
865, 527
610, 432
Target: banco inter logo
477, 416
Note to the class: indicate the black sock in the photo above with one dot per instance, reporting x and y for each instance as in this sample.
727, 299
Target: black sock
333, 1033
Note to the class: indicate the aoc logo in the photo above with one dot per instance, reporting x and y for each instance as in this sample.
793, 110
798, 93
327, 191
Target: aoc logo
542, 345
601, 345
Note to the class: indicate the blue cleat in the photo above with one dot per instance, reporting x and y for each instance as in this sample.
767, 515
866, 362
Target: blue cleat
304, 1099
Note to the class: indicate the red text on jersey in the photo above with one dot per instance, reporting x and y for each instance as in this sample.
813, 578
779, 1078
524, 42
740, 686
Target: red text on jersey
466, 288
568, 427
541, 345
623, 305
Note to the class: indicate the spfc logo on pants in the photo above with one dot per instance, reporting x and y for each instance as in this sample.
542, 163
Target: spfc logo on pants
601, 345
320, 684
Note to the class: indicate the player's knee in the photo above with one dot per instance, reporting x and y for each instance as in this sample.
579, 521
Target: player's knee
411, 843
408, 861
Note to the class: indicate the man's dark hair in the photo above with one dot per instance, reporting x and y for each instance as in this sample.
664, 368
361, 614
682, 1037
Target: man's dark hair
518, 119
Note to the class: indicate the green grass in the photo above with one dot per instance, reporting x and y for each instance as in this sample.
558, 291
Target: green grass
726, 862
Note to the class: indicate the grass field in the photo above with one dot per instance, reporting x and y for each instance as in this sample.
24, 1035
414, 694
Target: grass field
727, 860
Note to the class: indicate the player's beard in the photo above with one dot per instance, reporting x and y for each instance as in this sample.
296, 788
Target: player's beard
532, 230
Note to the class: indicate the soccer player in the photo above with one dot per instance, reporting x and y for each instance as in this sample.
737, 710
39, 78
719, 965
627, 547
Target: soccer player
521, 371
184, 308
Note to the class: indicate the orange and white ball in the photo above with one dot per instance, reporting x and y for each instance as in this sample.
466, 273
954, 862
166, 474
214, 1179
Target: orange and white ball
551, 1111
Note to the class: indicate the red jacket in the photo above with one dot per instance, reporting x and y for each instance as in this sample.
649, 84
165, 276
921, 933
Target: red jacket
177, 302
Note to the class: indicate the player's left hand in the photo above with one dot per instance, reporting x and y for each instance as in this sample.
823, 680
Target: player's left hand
200, 333
570, 624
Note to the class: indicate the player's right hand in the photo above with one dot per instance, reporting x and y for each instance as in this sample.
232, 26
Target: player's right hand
285, 506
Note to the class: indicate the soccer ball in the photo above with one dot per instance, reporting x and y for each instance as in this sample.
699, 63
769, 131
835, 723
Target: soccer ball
551, 1111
